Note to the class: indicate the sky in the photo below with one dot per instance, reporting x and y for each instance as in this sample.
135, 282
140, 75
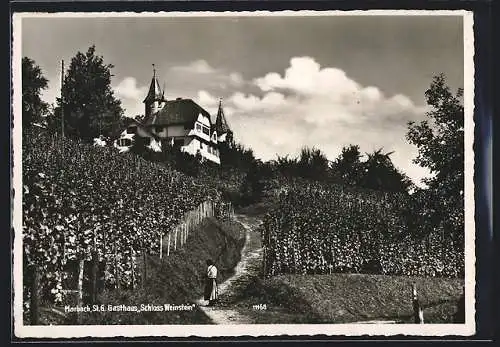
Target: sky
285, 82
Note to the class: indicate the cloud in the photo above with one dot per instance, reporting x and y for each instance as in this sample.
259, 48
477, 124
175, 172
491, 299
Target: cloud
200, 75
131, 95
197, 66
322, 107
128, 89
236, 78
206, 98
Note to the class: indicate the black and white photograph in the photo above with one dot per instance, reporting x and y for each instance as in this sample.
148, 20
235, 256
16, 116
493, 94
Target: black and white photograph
243, 173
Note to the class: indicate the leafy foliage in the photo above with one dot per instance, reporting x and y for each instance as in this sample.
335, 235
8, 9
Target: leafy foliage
380, 173
88, 101
440, 143
319, 228
348, 165
33, 83
79, 199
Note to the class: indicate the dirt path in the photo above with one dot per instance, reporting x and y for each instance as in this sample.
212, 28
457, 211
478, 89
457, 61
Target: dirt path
248, 267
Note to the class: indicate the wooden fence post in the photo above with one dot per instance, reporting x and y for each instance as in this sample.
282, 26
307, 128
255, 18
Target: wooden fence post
93, 277
175, 238
181, 236
185, 226
161, 246
168, 245
132, 266
418, 314
145, 268
81, 266
34, 299
117, 280
79, 288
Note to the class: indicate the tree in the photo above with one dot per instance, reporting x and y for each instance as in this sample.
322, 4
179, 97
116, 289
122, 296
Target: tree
235, 155
252, 186
347, 166
285, 166
379, 173
90, 107
312, 164
33, 82
440, 143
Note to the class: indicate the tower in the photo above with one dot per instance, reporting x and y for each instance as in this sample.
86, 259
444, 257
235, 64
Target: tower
224, 133
155, 99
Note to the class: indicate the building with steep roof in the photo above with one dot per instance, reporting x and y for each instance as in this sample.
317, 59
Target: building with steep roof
155, 99
180, 122
221, 127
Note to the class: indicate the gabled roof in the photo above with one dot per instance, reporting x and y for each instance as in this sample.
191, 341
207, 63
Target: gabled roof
179, 111
221, 125
130, 122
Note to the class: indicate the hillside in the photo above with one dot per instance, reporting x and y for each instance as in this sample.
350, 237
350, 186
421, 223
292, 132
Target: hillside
92, 205
178, 279
87, 208
347, 298
248, 298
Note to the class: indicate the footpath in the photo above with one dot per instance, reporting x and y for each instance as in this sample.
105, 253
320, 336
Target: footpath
247, 269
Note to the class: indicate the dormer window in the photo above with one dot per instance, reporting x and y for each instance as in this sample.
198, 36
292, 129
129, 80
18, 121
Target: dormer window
198, 128
206, 131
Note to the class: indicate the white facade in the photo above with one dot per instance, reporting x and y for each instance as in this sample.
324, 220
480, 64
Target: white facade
196, 140
126, 140
209, 152
200, 139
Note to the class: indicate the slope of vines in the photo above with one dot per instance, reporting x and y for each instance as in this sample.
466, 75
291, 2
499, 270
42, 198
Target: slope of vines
324, 229
79, 200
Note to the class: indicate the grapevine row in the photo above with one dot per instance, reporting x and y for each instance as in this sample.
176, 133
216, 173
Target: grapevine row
81, 202
325, 229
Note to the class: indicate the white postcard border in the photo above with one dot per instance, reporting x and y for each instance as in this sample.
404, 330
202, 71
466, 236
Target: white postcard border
466, 329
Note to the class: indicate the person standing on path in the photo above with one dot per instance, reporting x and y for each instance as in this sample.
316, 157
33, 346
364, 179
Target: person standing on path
211, 290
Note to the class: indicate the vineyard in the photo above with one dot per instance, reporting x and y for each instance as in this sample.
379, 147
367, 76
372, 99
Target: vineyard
317, 229
85, 204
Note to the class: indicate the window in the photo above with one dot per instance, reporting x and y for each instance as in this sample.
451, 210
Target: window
201, 145
178, 142
198, 127
131, 130
124, 142
206, 131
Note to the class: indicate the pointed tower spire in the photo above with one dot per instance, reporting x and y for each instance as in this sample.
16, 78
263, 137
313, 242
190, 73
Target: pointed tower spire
224, 133
221, 125
154, 92
155, 96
